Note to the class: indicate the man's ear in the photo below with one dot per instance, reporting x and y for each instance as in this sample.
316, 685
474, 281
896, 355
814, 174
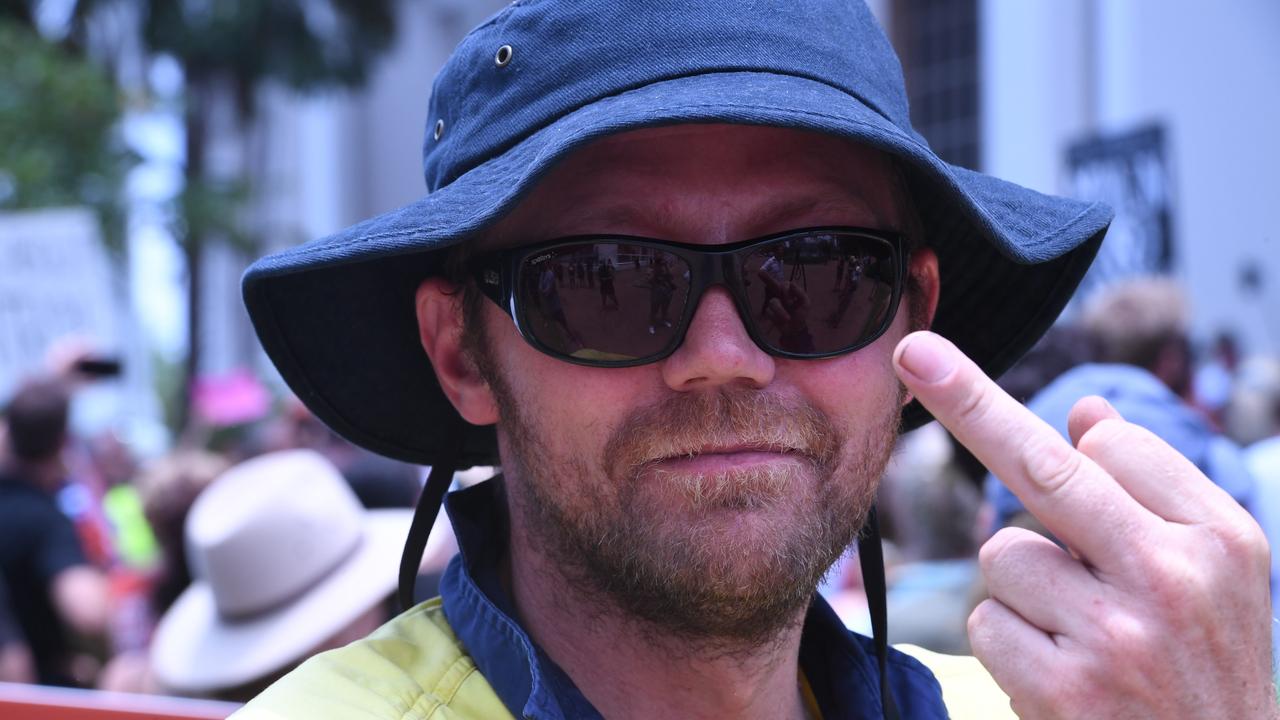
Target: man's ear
438, 303
923, 288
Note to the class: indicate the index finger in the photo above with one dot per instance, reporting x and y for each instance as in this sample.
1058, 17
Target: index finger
1075, 498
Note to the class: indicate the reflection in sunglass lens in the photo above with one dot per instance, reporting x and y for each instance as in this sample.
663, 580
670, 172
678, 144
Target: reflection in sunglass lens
819, 293
604, 301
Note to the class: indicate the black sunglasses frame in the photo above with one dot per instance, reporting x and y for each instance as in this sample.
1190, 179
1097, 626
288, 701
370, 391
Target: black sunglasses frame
709, 265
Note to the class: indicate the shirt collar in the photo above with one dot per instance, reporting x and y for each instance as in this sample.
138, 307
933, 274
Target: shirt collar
839, 665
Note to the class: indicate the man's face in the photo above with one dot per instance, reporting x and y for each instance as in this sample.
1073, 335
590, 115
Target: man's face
707, 492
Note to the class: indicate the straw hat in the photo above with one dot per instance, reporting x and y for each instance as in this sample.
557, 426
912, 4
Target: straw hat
284, 558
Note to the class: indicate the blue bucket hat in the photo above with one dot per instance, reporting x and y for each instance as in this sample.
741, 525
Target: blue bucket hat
544, 77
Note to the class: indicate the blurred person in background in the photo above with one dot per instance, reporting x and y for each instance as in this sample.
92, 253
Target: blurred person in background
1214, 380
169, 486
378, 481
929, 508
287, 563
1138, 329
16, 663
58, 596
1263, 455
1250, 414
116, 472
1263, 460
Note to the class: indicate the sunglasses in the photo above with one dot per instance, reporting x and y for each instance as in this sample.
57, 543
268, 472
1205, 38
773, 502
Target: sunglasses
618, 301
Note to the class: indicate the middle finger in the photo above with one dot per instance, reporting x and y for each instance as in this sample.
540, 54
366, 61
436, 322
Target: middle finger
1067, 491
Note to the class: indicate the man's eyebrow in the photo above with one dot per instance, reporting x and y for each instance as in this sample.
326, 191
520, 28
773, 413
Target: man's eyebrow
651, 220
843, 210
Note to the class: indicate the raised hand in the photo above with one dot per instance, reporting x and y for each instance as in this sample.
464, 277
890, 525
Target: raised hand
1161, 606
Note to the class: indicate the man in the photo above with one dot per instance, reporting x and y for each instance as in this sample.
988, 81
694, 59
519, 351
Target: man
770, 274
16, 664
1263, 460
653, 552
607, 292
56, 594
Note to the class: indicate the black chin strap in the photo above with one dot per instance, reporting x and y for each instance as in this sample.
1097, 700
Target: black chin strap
424, 516
871, 558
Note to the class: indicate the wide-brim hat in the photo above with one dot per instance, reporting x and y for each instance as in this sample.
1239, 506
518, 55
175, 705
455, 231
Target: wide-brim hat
540, 80
285, 559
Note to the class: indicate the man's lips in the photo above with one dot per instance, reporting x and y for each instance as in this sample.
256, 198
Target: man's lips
724, 458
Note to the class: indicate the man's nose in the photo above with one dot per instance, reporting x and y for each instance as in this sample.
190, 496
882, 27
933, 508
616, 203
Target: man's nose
717, 349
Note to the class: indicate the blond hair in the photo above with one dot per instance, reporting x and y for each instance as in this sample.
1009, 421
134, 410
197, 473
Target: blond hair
1135, 320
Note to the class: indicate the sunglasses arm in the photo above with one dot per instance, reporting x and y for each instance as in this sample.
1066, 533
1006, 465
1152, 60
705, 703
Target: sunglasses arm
492, 283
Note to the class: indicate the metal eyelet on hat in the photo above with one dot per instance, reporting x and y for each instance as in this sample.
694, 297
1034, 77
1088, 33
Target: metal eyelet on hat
438, 131
503, 57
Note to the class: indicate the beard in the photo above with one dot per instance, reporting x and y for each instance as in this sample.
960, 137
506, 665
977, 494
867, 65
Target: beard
720, 560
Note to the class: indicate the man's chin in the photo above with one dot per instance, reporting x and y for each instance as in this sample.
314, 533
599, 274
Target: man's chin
716, 572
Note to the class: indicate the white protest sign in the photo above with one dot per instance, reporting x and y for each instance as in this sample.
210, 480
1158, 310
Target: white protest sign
55, 282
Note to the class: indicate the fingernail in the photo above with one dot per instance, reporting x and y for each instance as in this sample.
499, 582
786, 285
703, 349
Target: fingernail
1110, 408
927, 357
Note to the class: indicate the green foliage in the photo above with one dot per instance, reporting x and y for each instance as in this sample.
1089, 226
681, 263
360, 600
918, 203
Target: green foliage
238, 45
211, 209
59, 140
305, 45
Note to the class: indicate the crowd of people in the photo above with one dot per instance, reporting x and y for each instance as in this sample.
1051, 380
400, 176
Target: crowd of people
214, 569
690, 444
206, 572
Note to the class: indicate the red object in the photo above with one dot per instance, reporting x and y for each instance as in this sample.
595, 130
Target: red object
231, 399
38, 702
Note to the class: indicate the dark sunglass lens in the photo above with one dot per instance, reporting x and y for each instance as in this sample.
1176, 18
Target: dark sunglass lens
603, 301
820, 293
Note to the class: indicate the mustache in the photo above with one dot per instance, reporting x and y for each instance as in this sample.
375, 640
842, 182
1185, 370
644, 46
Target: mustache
687, 424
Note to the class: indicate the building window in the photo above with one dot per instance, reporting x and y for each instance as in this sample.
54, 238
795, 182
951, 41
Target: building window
938, 43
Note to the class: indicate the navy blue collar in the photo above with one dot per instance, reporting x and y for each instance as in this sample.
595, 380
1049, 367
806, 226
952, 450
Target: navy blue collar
839, 665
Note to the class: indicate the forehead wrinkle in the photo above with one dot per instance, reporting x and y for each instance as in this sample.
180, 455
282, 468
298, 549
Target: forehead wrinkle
811, 210
665, 220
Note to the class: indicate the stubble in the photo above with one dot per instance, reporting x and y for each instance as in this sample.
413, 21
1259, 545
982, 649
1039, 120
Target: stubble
740, 559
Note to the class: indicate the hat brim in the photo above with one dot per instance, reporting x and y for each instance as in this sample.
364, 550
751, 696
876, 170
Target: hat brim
196, 651
336, 315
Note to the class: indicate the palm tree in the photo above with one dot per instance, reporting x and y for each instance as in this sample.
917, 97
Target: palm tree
233, 47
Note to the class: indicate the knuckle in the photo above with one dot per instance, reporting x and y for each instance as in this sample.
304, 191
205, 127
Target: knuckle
1257, 551
1051, 465
1120, 663
979, 624
1004, 552
1170, 573
1180, 588
993, 550
1122, 635
1242, 548
1242, 538
973, 401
